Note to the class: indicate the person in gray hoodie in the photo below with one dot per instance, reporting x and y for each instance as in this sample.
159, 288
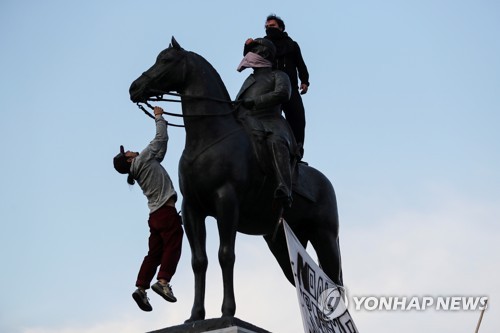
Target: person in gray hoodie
165, 225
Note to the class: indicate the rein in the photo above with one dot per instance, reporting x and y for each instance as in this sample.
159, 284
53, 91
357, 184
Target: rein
160, 98
161, 93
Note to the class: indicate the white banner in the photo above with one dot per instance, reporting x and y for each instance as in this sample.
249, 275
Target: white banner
321, 301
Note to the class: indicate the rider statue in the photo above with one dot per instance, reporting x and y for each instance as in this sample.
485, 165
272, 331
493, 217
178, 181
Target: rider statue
261, 96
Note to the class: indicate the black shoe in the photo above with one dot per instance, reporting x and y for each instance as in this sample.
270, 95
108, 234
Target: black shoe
165, 291
141, 298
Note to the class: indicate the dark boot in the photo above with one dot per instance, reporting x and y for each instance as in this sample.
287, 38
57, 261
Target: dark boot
282, 172
300, 151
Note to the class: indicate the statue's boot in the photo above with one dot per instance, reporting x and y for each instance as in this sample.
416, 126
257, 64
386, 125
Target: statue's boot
283, 174
300, 151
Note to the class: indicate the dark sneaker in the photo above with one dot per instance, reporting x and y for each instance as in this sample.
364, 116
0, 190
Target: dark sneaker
141, 298
165, 291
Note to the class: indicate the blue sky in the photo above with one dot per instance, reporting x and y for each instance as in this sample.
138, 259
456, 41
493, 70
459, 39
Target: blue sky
402, 115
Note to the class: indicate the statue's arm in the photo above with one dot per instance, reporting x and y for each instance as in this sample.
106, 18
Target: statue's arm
279, 95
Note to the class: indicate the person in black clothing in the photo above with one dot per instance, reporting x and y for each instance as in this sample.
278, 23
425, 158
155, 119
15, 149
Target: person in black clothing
289, 60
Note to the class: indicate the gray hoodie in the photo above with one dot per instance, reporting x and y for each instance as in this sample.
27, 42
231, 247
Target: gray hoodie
149, 173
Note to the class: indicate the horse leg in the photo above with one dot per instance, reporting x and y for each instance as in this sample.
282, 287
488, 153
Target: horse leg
279, 249
194, 227
326, 244
227, 221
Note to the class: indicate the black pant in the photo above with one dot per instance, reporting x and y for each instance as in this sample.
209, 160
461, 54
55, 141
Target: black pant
295, 115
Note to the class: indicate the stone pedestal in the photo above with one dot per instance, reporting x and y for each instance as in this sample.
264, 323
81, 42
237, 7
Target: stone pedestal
215, 325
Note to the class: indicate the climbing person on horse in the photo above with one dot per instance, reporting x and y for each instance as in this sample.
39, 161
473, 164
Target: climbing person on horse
261, 96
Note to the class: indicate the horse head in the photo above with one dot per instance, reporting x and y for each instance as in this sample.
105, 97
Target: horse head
167, 74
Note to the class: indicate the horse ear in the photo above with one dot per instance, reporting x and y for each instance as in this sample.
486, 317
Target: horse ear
175, 44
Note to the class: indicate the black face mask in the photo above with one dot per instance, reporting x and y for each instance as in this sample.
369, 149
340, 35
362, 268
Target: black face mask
274, 33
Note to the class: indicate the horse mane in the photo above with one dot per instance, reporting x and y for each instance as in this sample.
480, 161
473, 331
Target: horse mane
213, 72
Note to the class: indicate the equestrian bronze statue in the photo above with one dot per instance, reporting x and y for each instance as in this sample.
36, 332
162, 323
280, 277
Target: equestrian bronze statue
221, 176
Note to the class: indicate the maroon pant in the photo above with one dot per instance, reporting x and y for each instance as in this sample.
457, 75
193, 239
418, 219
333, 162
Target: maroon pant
165, 242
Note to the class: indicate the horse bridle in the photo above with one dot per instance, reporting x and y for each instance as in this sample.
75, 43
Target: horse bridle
159, 98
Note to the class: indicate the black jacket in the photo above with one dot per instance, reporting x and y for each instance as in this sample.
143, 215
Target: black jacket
289, 59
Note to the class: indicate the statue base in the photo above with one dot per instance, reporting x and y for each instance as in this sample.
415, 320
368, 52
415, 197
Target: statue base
215, 325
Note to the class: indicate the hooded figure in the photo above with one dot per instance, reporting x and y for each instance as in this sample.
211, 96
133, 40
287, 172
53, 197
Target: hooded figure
261, 95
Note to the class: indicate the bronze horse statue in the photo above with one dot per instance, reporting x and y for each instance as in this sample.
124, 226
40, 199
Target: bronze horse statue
220, 176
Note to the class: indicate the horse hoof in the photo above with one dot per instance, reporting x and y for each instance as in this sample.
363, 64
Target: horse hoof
228, 314
195, 316
191, 320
